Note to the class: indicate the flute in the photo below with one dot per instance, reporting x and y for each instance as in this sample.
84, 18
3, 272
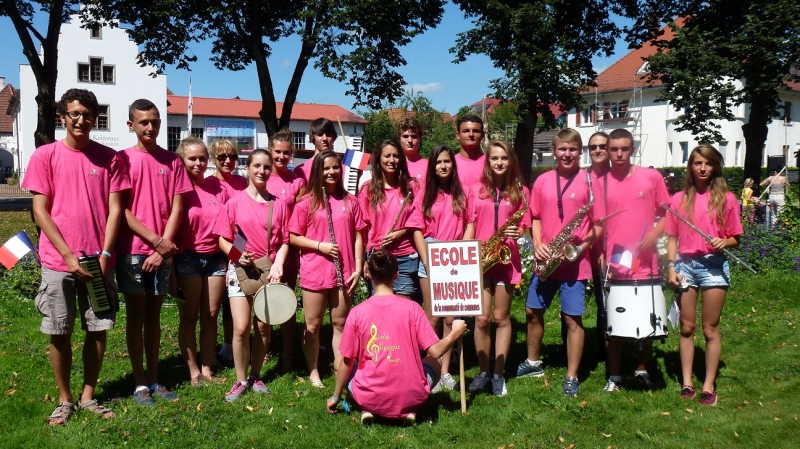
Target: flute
399, 213
709, 238
339, 278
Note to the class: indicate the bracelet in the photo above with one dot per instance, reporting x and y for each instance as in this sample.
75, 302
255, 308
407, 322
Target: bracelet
671, 265
318, 243
358, 258
335, 399
160, 239
106, 253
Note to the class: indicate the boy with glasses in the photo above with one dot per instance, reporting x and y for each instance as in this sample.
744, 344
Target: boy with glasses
77, 186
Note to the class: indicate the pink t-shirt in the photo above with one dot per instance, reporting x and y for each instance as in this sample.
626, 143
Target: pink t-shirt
483, 214
470, 171
155, 180
286, 187
303, 171
380, 221
418, 170
234, 185
251, 217
204, 218
317, 271
77, 185
544, 207
691, 243
444, 224
386, 334
638, 195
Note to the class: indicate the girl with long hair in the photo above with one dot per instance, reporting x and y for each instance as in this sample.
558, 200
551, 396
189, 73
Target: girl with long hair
495, 199
326, 259
200, 264
441, 214
287, 186
698, 267
248, 215
387, 201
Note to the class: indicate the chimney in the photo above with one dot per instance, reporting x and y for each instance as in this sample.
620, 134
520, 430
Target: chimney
2, 82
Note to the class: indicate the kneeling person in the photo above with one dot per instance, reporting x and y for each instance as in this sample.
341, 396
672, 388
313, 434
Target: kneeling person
385, 334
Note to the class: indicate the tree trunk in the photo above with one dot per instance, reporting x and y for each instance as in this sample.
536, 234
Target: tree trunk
523, 143
307, 49
755, 135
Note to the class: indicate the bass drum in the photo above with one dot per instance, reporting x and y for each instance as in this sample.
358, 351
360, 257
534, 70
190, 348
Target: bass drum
274, 304
636, 310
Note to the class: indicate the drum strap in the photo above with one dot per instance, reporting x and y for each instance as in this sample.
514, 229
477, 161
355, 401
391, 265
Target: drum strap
496, 206
269, 223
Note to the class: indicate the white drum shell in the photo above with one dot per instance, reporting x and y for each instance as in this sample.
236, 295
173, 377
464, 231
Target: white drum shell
274, 304
629, 307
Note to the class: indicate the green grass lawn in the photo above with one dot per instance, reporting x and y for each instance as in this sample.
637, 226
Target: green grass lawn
758, 389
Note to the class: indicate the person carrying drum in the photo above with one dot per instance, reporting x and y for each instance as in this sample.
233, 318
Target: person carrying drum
384, 336
565, 190
262, 220
706, 202
630, 243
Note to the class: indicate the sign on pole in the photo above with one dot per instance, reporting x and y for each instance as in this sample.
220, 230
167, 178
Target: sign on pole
455, 277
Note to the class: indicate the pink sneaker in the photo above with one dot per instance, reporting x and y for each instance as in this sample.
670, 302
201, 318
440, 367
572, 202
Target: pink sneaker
707, 398
238, 389
256, 385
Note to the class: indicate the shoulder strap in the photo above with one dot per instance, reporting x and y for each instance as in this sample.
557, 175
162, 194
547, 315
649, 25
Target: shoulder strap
269, 224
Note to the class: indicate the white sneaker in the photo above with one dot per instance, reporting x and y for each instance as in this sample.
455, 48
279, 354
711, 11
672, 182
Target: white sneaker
447, 382
611, 386
479, 382
499, 386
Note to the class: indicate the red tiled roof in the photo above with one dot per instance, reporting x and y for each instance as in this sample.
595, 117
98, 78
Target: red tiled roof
6, 120
490, 103
398, 114
235, 107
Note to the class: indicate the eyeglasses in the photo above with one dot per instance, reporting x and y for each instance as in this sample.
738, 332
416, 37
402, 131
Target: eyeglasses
595, 147
222, 157
75, 116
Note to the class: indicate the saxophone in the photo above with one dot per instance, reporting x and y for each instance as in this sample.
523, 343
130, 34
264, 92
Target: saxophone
494, 249
562, 244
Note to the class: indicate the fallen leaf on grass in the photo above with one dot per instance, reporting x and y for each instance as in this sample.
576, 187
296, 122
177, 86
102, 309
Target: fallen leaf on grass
291, 404
607, 435
300, 427
199, 407
736, 434
745, 402
665, 413
296, 393
560, 438
631, 399
250, 408
759, 403
10, 392
48, 398
270, 411
708, 430
795, 417
688, 410
571, 446
399, 437
584, 404
776, 419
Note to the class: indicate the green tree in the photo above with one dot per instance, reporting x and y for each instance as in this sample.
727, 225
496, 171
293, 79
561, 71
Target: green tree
379, 128
545, 49
726, 53
45, 69
351, 40
503, 121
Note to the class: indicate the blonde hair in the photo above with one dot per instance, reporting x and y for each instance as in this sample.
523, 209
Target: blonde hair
717, 185
187, 142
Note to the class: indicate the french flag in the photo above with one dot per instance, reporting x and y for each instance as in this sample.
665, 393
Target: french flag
356, 159
239, 244
15, 249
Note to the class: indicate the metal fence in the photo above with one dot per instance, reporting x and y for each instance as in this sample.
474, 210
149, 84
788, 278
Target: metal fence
9, 185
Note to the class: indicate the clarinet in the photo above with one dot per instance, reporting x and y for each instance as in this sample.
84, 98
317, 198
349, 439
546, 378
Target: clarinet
328, 215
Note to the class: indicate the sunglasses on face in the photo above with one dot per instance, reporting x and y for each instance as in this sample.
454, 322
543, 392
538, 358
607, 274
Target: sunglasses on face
595, 147
223, 157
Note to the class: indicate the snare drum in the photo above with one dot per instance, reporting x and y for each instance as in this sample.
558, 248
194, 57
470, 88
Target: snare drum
636, 310
274, 304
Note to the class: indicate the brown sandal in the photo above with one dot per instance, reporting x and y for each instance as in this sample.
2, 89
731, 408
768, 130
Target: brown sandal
61, 414
94, 407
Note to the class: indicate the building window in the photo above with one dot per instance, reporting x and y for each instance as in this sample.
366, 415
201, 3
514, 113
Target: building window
95, 72
787, 111
684, 152
95, 33
102, 122
198, 132
173, 138
59, 123
298, 139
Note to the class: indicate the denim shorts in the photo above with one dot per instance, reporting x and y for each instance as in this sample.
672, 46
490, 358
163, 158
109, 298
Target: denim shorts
133, 280
61, 297
190, 264
573, 295
422, 272
710, 270
407, 278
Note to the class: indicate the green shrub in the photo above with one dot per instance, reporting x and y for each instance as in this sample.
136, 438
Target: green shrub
23, 279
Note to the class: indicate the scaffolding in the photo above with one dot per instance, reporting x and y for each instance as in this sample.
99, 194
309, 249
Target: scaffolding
625, 111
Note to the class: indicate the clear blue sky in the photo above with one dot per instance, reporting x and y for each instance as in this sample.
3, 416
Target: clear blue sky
429, 70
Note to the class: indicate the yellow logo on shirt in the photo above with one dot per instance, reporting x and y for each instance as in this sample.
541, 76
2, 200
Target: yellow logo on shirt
374, 348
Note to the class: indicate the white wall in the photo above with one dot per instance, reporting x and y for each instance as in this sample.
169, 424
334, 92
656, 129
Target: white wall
131, 83
655, 133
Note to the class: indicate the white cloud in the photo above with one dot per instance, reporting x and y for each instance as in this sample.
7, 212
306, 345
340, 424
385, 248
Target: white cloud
425, 88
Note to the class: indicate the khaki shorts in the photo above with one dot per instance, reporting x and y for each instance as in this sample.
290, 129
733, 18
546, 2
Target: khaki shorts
56, 302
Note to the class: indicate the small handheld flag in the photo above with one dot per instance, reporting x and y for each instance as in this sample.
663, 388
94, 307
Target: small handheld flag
356, 159
15, 249
239, 244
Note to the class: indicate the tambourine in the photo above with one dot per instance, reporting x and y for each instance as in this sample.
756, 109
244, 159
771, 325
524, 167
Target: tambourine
274, 304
